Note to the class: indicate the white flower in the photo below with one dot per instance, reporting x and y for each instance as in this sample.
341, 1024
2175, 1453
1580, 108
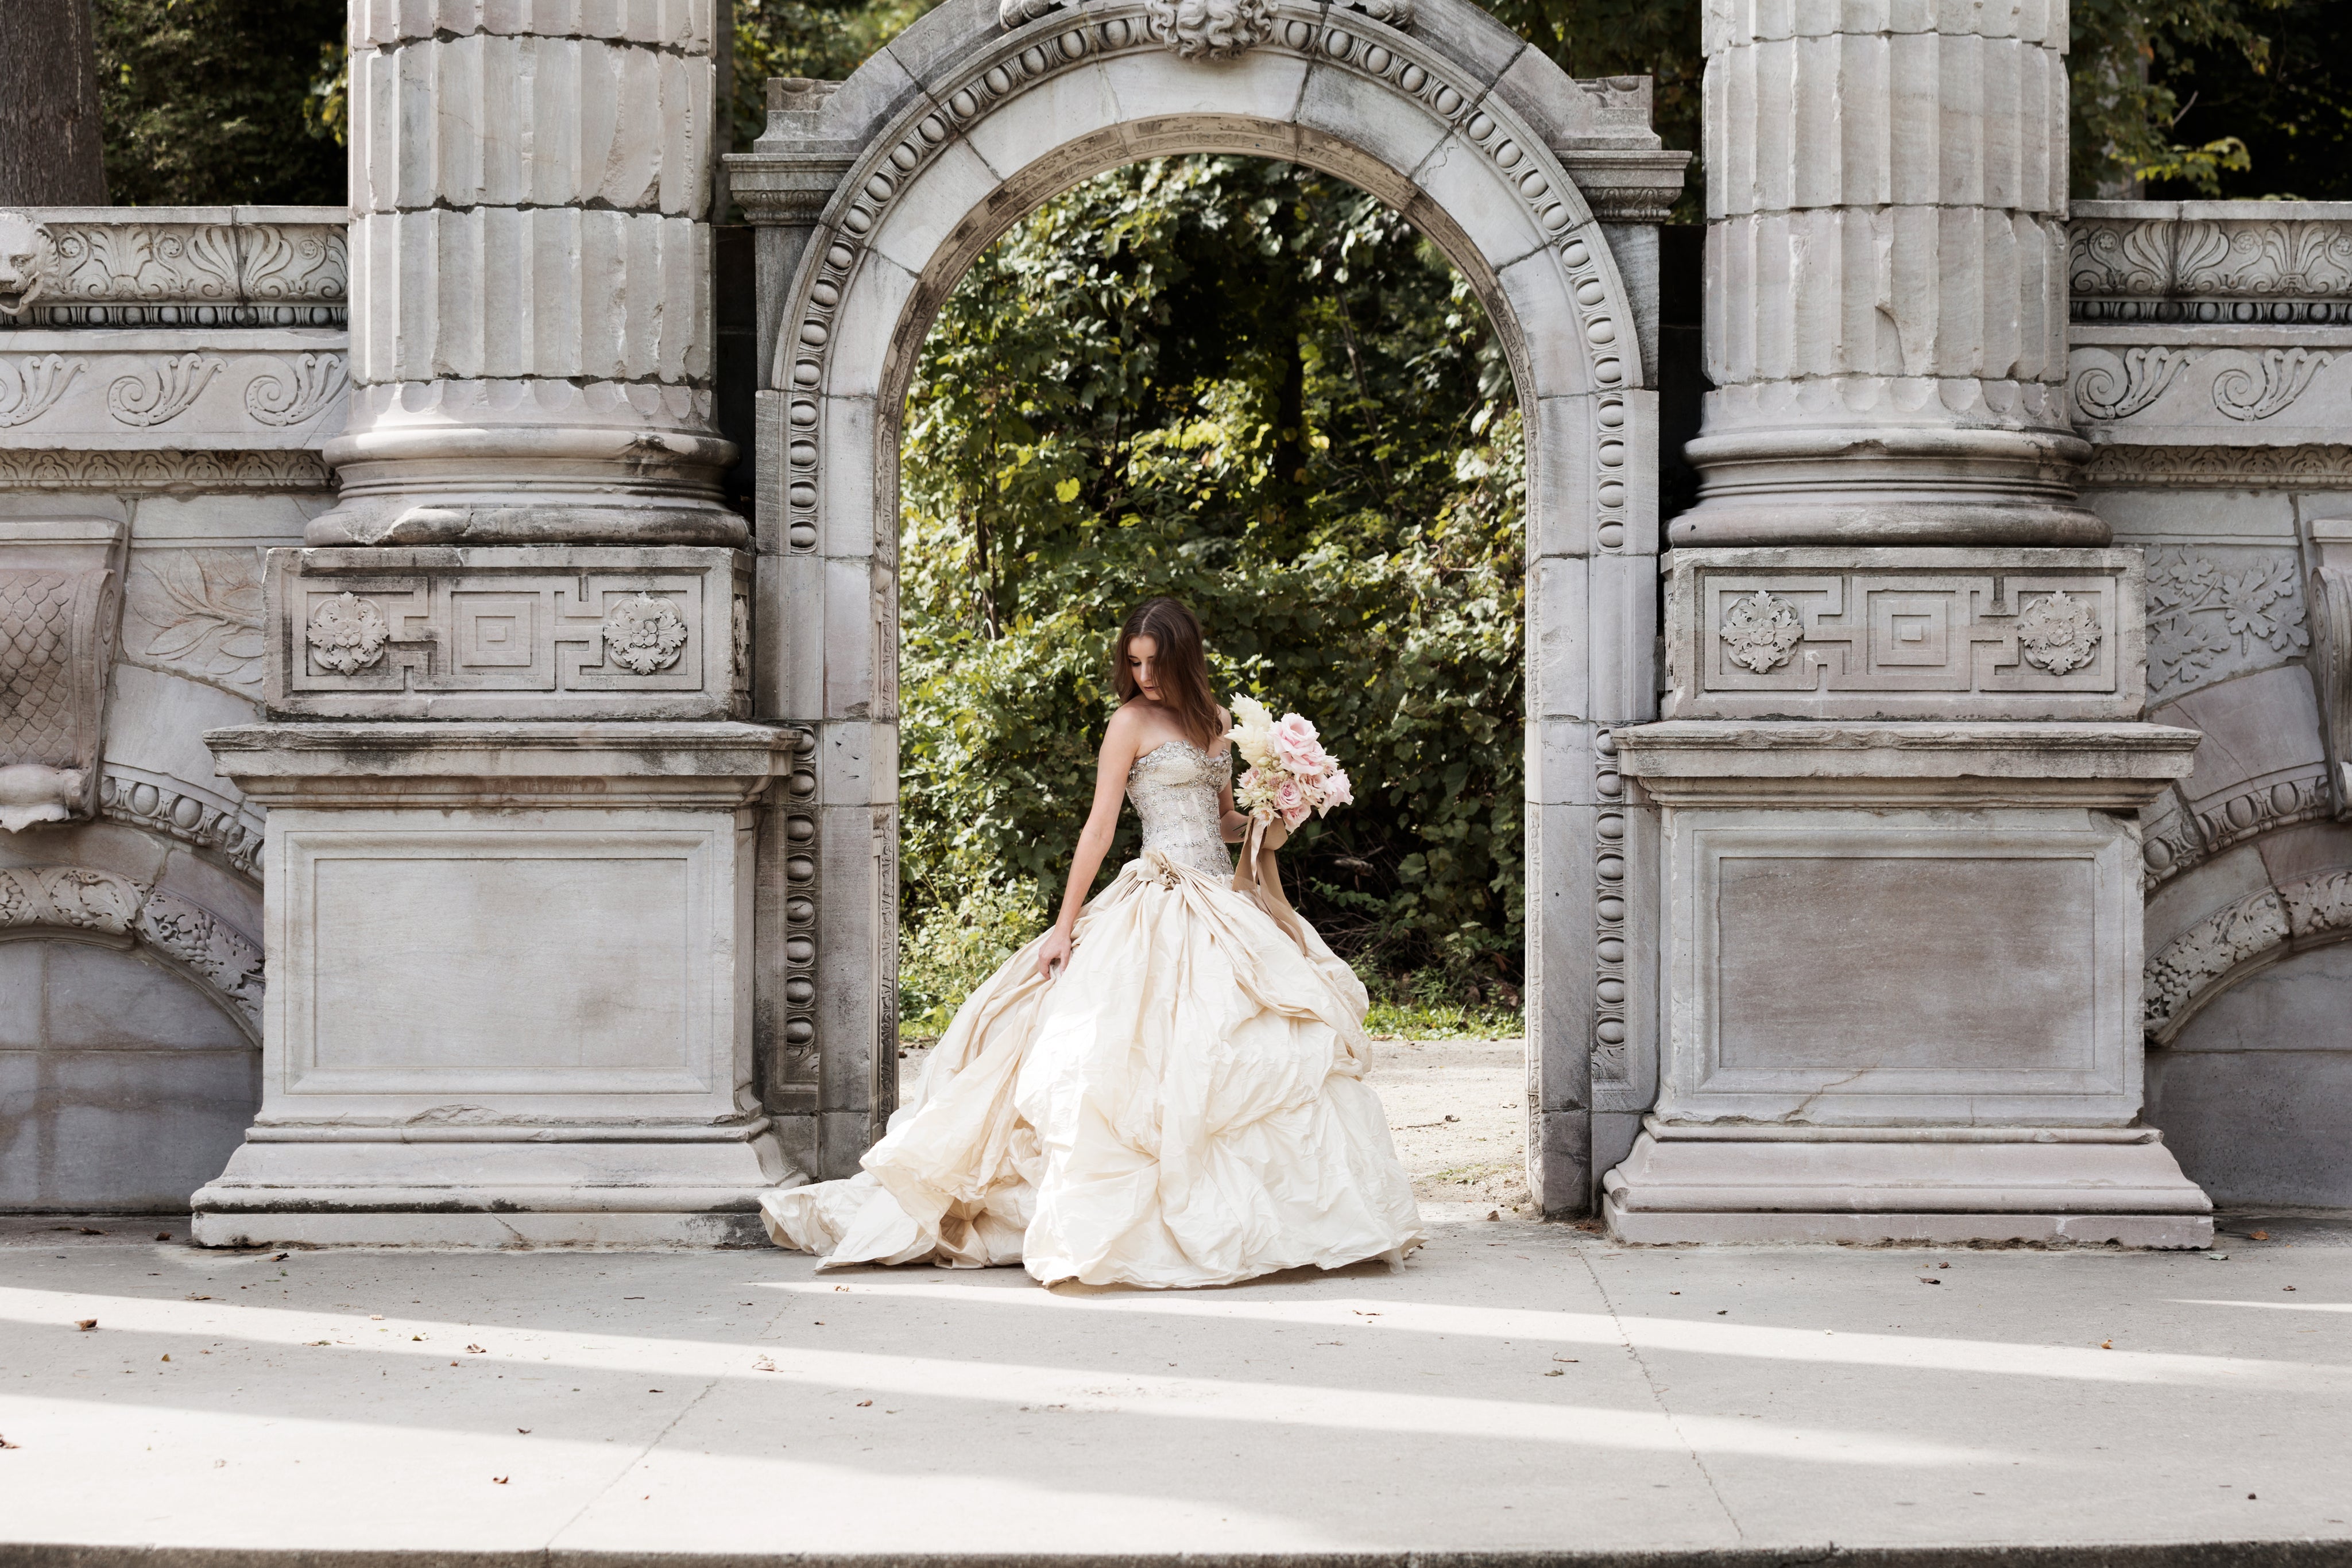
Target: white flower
1252, 732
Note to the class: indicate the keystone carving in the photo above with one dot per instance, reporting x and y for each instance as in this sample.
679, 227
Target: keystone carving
644, 635
1760, 632
1209, 29
2058, 634
347, 634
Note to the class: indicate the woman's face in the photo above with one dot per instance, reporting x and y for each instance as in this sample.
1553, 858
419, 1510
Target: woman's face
1143, 664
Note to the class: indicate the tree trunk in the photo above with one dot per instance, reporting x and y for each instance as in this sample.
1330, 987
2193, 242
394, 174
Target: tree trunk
51, 143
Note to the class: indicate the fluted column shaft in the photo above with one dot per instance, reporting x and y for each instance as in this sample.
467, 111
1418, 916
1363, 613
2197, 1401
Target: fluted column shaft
1886, 279
530, 279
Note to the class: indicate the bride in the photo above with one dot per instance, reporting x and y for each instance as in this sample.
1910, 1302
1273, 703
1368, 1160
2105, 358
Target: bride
1165, 1090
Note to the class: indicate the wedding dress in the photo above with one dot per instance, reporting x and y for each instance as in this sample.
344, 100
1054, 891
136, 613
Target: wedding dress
1184, 1105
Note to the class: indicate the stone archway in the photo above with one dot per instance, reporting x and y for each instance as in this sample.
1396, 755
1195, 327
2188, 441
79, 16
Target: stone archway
877, 194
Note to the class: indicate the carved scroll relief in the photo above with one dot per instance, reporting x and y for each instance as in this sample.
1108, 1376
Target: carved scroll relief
80, 898
508, 634
59, 584
2331, 665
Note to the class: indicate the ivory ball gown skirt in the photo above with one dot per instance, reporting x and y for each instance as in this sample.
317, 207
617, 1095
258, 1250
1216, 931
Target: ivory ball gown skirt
1183, 1106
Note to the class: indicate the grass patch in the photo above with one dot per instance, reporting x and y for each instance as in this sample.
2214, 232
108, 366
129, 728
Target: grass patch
1441, 1020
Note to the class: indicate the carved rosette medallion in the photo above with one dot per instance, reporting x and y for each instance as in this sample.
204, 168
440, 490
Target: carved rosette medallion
1760, 632
1209, 29
2058, 634
347, 634
644, 635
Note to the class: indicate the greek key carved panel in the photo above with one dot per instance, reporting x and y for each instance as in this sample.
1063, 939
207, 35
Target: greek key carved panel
509, 633
1992, 633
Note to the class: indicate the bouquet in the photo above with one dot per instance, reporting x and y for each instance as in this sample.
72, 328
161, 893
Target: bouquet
1289, 774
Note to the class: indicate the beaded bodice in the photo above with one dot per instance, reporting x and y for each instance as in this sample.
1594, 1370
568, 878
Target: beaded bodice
1175, 787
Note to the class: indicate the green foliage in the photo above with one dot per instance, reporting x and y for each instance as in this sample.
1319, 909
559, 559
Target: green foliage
941, 959
826, 39
1257, 388
211, 103
2127, 57
2291, 111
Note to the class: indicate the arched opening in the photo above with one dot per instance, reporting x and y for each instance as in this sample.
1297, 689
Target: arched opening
1258, 388
960, 129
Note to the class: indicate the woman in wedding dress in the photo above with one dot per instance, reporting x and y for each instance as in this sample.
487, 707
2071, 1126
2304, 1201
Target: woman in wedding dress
1165, 1090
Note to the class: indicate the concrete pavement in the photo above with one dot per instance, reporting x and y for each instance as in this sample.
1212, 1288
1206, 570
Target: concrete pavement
1518, 1387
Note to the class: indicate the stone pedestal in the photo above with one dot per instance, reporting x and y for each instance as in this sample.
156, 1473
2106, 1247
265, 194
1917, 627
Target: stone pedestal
1903, 963
510, 995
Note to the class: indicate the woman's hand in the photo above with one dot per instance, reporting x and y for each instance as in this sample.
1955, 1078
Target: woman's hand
1054, 953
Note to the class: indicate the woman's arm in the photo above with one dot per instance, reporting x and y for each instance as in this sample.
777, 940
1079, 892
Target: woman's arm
1094, 839
1231, 823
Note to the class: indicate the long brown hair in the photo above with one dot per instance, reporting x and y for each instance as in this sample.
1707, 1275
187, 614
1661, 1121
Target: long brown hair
1184, 668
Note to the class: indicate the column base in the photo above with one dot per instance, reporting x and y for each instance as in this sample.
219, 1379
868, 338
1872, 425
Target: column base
1893, 1185
514, 1189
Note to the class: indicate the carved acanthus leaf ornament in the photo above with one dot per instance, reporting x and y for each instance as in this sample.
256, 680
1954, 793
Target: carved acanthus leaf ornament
2058, 634
347, 634
1760, 632
644, 635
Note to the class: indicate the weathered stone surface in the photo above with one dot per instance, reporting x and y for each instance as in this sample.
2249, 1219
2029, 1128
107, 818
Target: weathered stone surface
1904, 633
60, 596
559, 632
1887, 330
530, 323
1711, 762
1926, 1186
405, 1066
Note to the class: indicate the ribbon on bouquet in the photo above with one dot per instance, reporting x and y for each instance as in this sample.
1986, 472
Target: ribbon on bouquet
1256, 877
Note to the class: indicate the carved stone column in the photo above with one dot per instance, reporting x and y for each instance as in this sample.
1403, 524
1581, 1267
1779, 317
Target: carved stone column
514, 806
1885, 274
530, 277
1902, 751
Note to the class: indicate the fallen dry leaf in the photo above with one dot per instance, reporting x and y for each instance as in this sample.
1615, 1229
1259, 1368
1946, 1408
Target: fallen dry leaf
85, 1324
476, 1350
1493, 1213
277, 1256
524, 1430
162, 1235
5, 1443
497, 1480
2258, 1235
763, 1365
375, 1317
1929, 1279
864, 1403
86, 1230
167, 1356
1554, 1371
196, 1298
2286, 1287
2107, 1344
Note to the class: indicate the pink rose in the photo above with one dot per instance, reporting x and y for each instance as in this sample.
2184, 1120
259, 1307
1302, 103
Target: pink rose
1293, 736
1336, 790
1290, 796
